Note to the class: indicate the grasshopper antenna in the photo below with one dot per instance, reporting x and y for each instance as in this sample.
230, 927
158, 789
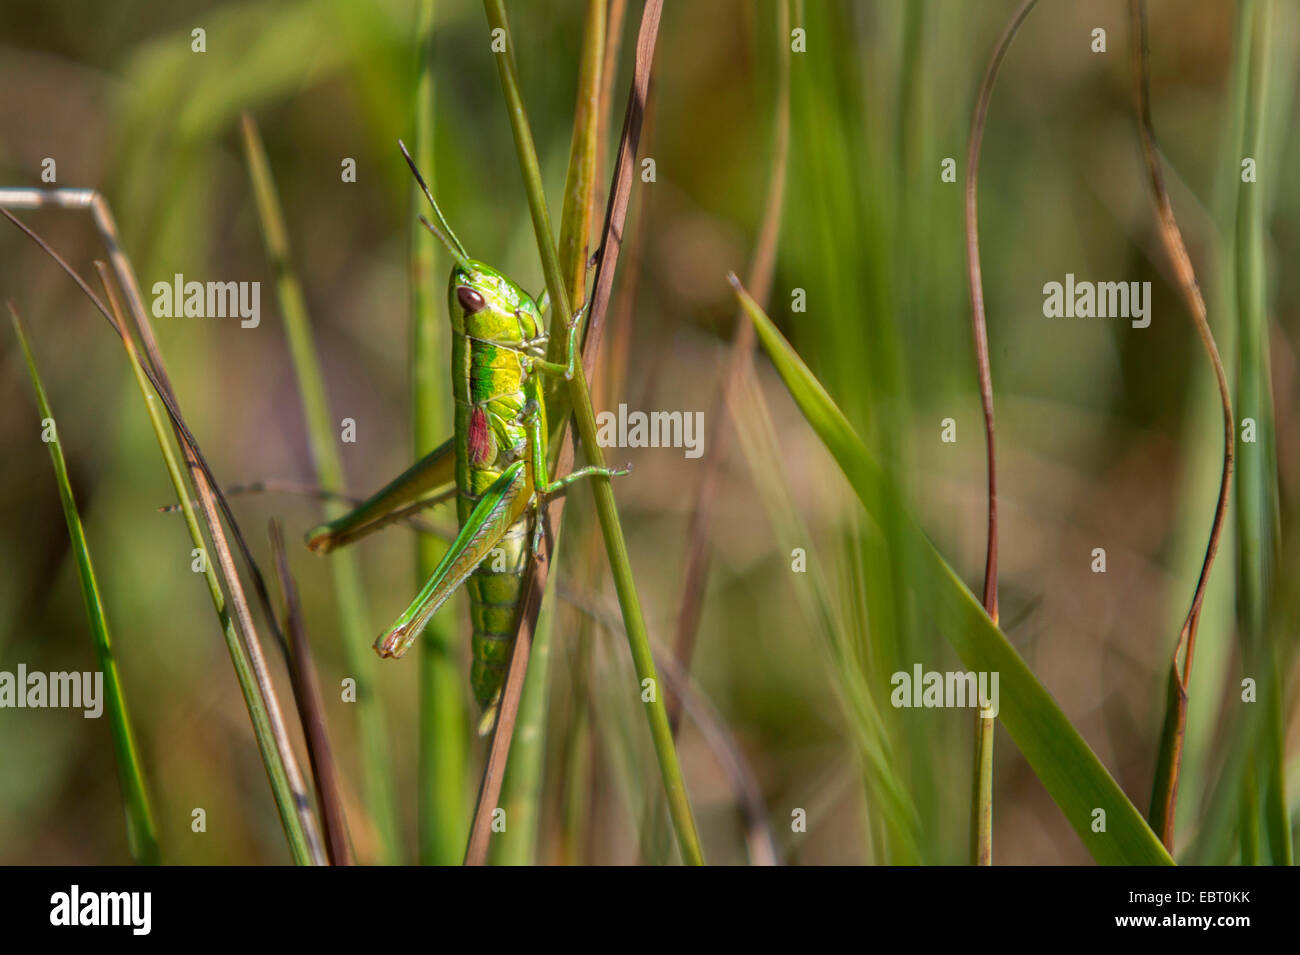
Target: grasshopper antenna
461, 259
443, 231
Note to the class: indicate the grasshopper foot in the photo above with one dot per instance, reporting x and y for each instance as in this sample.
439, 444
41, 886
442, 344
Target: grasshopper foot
395, 642
319, 539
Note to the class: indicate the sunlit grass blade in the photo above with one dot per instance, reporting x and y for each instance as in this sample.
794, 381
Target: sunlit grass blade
521, 789
248, 686
1067, 767
580, 180
142, 836
349, 591
579, 394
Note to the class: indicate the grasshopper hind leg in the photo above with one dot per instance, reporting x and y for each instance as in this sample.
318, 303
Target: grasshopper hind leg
490, 520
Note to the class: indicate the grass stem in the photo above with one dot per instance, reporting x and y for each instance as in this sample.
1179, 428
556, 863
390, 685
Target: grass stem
1164, 795
611, 530
521, 793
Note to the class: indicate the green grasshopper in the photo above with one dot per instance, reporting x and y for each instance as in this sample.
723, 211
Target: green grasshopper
495, 465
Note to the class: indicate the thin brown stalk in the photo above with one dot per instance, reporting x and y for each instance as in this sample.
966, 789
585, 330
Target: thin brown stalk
739, 363
610, 376
535, 583
311, 708
157, 372
982, 803
621, 187
609, 59
1164, 796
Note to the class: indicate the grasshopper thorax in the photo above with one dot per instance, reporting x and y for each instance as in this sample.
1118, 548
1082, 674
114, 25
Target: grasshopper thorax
487, 306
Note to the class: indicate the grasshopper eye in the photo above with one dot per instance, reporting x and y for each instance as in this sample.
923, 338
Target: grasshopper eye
470, 299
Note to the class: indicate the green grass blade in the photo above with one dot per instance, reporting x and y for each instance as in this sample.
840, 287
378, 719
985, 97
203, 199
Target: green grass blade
579, 188
303, 833
1256, 492
1067, 767
522, 786
142, 836
443, 802
349, 592
253, 701
606, 509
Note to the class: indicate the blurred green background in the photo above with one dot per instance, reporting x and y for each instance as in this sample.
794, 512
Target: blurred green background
1108, 436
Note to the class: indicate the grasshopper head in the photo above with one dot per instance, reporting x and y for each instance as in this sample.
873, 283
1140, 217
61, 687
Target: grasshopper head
485, 304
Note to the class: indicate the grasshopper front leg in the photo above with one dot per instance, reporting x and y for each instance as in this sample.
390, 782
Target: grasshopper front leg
567, 369
541, 478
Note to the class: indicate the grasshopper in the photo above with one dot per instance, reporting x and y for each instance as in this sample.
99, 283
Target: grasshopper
495, 464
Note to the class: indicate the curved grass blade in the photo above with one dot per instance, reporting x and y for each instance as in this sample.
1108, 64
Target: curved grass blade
263, 732
1062, 760
142, 836
301, 828
982, 803
1164, 795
